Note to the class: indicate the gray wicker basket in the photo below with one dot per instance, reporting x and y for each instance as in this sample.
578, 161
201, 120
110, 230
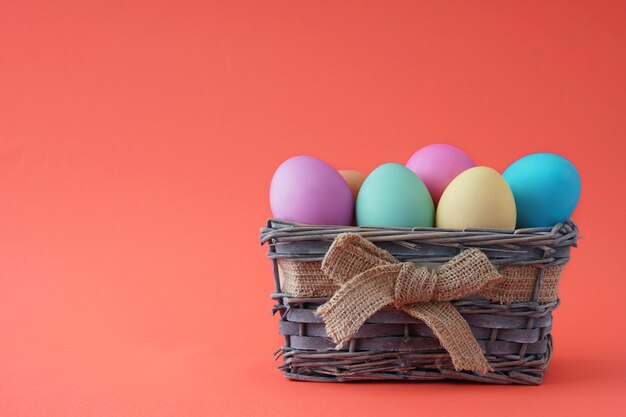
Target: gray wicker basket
392, 345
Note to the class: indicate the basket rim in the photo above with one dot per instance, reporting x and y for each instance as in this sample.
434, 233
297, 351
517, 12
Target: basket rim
279, 228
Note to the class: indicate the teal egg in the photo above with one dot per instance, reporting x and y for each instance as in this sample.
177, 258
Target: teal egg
392, 195
546, 188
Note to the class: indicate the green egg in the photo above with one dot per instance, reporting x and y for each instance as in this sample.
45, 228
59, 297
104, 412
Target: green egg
393, 196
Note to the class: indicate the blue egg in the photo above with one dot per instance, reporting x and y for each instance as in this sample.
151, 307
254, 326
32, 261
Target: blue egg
546, 188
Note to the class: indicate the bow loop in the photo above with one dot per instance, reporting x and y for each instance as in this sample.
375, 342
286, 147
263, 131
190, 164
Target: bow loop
350, 255
463, 275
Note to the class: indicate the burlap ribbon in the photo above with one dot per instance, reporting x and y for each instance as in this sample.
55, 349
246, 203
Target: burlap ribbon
370, 278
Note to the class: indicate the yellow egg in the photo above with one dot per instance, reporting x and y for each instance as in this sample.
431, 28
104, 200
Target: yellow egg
354, 179
478, 197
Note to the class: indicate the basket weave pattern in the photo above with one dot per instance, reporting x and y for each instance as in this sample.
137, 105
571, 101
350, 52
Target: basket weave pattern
391, 345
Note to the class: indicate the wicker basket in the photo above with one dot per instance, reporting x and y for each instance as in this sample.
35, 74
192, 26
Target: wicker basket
515, 338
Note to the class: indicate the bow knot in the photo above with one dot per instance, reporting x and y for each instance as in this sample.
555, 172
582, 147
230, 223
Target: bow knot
371, 278
413, 285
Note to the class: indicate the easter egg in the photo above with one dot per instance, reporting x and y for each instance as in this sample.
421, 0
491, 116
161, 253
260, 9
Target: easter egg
478, 197
307, 190
392, 195
437, 165
354, 179
546, 188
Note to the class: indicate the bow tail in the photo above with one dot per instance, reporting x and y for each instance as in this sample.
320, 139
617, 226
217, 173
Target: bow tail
356, 301
453, 333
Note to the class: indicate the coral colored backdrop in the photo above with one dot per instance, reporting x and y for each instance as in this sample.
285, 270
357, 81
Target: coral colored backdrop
137, 142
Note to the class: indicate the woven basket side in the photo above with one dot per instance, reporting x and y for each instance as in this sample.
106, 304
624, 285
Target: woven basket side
394, 346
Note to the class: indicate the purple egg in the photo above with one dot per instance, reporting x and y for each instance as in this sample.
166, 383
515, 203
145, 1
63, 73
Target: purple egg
307, 190
437, 165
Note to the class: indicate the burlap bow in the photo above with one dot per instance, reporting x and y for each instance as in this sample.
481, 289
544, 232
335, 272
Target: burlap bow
371, 278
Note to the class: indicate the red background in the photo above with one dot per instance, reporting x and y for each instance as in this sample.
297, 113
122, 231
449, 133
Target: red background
137, 142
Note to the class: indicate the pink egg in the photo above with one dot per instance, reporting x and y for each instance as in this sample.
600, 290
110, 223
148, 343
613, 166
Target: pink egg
437, 165
307, 190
